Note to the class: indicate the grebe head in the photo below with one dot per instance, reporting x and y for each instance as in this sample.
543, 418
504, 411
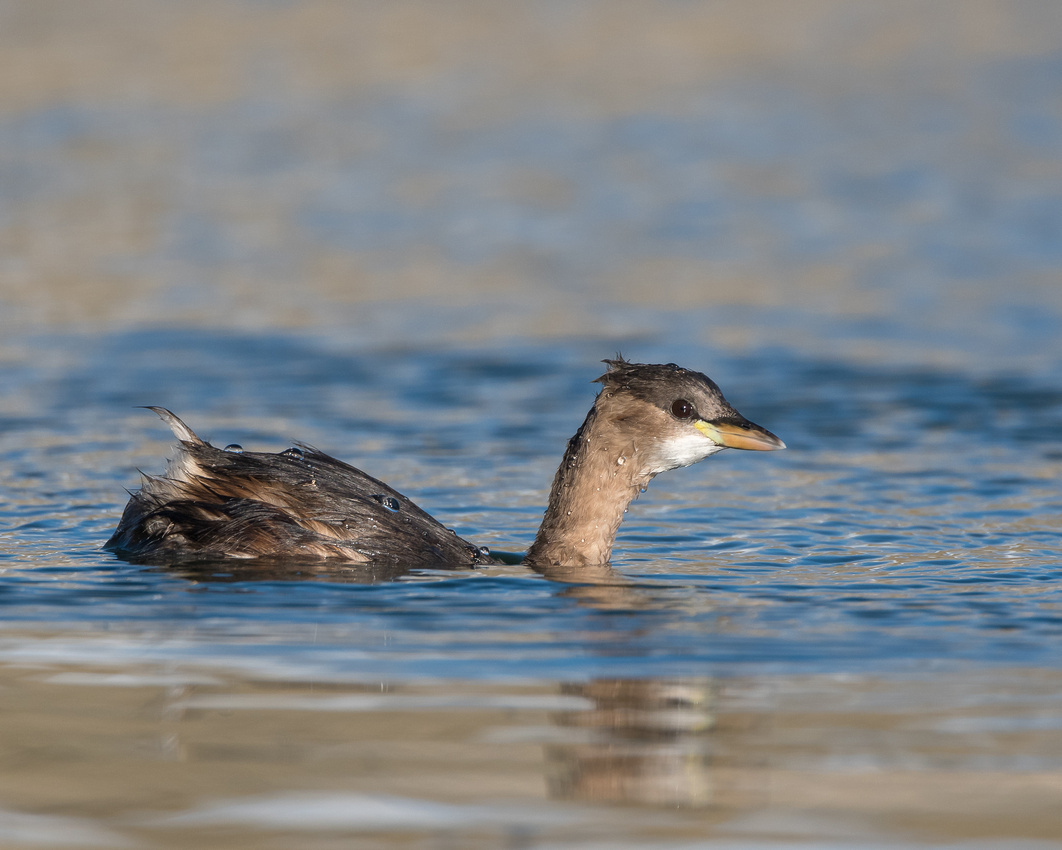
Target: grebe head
675, 416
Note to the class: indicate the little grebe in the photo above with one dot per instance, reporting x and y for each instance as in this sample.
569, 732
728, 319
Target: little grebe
226, 503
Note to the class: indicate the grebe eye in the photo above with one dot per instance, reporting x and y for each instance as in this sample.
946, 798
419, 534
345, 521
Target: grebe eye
682, 409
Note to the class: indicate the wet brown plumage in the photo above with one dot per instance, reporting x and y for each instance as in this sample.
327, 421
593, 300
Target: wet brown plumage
212, 503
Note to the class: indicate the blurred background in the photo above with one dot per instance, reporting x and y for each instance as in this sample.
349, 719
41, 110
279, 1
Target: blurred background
406, 232
873, 179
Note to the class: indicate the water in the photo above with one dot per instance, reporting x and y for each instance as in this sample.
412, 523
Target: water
414, 261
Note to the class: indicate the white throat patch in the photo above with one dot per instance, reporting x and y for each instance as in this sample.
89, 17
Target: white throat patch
682, 451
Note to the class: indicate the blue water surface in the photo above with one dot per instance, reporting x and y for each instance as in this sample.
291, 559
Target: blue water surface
911, 522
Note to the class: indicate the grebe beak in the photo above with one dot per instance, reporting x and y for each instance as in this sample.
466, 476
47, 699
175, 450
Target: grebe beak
739, 434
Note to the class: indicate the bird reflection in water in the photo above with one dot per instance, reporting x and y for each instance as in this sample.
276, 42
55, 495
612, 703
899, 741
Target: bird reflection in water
644, 741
